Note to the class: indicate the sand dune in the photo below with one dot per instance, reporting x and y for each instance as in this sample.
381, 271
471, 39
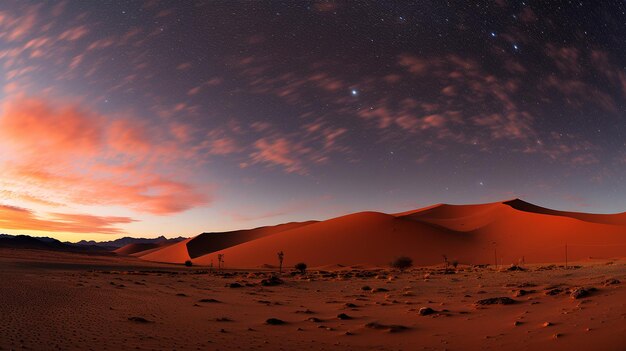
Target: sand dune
176, 253
615, 219
130, 249
512, 231
207, 243
141, 249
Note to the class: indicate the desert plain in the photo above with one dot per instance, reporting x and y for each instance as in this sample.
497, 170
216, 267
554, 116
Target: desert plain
72, 301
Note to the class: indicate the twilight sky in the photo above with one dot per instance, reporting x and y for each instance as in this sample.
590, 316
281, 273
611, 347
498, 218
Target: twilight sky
173, 118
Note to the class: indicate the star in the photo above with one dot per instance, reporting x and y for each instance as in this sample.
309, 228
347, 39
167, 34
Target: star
515, 47
493, 34
354, 92
481, 183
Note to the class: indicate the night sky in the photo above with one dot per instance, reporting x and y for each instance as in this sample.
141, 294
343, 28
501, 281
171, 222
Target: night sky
150, 118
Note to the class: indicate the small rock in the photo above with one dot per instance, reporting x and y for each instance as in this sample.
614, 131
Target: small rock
235, 285
523, 292
343, 316
272, 281
393, 328
138, 319
610, 282
209, 300
307, 311
496, 301
514, 267
579, 293
274, 321
425, 311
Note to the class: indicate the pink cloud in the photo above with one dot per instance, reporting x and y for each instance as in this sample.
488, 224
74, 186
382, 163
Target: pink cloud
17, 218
566, 59
413, 64
223, 146
84, 158
74, 33
279, 152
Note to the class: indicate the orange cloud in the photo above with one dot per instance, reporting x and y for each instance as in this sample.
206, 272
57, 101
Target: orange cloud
74, 156
17, 218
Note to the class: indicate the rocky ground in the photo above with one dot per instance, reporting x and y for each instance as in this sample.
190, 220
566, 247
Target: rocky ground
53, 301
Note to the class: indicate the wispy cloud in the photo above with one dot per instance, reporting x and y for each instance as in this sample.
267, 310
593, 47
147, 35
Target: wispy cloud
17, 218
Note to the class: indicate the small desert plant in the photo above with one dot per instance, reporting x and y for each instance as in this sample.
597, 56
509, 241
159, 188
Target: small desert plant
188, 263
446, 264
455, 263
281, 256
300, 267
402, 263
220, 262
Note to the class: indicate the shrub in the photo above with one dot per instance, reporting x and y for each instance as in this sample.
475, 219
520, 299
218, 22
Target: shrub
402, 263
188, 263
301, 267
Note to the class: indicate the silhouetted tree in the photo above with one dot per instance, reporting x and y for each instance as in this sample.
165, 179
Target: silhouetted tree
446, 264
301, 267
402, 263
281, 256
220, 261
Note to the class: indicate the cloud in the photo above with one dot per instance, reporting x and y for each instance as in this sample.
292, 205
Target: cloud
17, 218
280, 152
76, 156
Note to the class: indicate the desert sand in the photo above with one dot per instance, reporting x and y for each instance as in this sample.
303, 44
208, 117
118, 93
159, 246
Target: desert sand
70, 301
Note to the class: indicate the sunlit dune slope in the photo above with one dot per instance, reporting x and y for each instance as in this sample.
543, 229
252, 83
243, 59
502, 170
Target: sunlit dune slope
210, 242
207, 243
360, 238
134, 248
140, 249
176, 253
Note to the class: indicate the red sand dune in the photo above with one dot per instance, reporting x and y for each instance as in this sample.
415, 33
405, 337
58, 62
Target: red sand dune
141, 249
136, 247
207, 243
176, 253
473, 234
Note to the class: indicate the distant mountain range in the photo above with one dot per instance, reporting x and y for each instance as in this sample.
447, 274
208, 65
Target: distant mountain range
46, 243
117, 243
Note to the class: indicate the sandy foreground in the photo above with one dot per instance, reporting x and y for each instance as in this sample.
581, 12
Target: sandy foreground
60, 301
